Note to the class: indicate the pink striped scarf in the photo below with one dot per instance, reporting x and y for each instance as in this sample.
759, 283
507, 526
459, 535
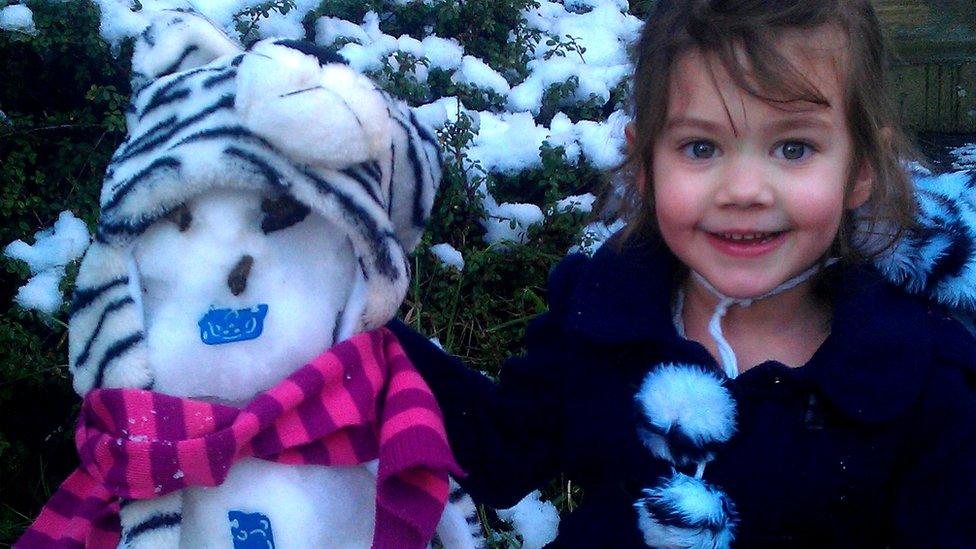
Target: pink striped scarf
360, 400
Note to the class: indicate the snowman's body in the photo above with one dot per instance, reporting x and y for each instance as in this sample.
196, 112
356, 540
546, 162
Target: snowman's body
304, 505
305, 283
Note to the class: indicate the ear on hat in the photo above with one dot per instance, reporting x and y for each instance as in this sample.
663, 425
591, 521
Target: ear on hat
324, 116
175, 41
416, 167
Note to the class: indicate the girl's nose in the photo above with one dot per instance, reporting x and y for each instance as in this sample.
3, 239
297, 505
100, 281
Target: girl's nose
744, 184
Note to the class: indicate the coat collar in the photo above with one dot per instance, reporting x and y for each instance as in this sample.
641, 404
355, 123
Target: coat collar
871, 367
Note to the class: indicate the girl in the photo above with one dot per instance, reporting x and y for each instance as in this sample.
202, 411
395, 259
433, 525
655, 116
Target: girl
737, 322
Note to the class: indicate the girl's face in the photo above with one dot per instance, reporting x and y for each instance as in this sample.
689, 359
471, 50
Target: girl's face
749, 194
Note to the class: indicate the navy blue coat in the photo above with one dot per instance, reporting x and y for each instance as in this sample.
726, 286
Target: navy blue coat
872, 443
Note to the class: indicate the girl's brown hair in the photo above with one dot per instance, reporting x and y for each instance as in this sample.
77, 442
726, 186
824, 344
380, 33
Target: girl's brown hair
743, 35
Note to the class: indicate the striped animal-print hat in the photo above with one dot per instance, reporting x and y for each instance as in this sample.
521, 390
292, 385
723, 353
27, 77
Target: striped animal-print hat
281, 118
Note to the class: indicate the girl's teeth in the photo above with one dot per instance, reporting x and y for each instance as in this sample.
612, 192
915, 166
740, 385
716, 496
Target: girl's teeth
750, 236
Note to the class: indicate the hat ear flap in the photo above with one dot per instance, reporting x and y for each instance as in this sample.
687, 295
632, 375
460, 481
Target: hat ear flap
106, 334
175, 41
416, 174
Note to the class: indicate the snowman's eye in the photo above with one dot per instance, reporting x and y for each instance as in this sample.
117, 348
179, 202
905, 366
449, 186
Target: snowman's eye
182, 217
281, 212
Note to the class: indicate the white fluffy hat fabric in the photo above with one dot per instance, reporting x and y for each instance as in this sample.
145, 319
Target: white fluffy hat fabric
282, 118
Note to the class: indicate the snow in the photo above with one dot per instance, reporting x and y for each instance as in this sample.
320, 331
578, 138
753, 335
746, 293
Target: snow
53, 247
52, 250
443, 53
368, 47
330, 29
287, 25
582, 203
477, 73
508, 143
448, 256
534, 520
437, 113
562, 133
604, 32
18, 18
603, 143
505, 142
119, 22
595, 235
509, 222
42, 293
593, 81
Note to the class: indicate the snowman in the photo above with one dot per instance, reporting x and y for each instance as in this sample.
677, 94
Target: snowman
259, 213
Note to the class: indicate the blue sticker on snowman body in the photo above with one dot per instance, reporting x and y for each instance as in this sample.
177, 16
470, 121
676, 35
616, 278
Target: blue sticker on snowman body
250, 530
221, 326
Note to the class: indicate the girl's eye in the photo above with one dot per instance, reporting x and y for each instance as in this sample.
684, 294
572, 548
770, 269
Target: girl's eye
700, 150
793, 150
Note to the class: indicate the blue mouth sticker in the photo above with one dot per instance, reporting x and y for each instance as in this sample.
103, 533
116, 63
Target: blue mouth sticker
251, 530
221, 326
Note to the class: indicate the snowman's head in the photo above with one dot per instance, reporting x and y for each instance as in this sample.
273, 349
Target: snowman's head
261, 209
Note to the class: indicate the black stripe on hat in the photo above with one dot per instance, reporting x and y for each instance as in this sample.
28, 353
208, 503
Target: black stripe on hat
116, 350
212, 81
130, 226
123, 189
84, 297
373, 169
389, 201
259, 166
226, 101
238, 133
419, 217
179, 61
160, 95
364, 182
383, 262
130, 143
111, 308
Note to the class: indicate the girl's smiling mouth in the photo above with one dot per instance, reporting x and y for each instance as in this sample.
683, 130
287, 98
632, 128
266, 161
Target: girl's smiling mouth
746, 243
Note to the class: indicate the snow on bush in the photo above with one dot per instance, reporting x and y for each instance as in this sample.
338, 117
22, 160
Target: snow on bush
448, 255
52, 250
578, 44
534, 520
17, 18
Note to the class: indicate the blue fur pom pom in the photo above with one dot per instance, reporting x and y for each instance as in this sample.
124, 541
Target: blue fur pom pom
686, 413
686, 513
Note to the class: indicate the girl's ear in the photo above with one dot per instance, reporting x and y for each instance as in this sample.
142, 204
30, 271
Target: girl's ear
630, 132
865, 177
863, 184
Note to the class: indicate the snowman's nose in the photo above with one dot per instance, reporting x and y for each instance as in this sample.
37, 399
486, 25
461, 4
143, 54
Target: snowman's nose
237, 280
